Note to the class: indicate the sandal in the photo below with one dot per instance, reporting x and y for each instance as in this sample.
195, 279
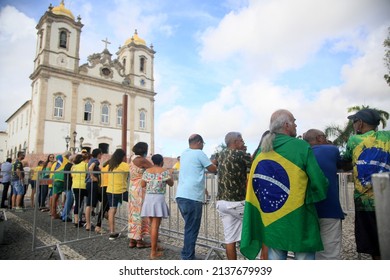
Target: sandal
133, 243
91, 228
99, 230
142, 244
156, 256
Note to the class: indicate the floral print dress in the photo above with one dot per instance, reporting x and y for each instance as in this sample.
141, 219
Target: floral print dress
138, 226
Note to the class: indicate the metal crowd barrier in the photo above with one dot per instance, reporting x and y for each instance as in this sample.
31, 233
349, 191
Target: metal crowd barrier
381, 186
210, 239
346, 187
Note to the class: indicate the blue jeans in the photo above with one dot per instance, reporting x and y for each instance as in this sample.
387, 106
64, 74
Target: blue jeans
68, 205
191, 211
276, 254
43, 190
17, 187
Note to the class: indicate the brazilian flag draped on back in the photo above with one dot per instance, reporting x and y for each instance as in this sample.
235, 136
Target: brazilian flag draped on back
282, 186
59, 166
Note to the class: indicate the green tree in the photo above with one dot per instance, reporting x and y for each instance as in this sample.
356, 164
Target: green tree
217, 150
342, 134
386, 44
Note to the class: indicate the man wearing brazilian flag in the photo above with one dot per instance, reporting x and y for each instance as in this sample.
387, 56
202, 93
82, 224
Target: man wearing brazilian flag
284, 183
369, 151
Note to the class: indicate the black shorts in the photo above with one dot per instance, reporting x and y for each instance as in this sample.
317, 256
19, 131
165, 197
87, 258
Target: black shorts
366, 233
92, 193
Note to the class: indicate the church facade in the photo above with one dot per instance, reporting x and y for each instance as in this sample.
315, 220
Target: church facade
77, 106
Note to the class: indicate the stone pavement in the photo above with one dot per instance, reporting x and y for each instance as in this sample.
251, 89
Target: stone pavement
18, 239
80, 244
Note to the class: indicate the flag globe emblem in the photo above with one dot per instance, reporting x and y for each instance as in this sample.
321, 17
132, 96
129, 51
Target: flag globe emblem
271, 191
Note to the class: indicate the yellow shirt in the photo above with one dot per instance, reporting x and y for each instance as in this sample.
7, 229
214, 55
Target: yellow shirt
118, 178
52, 169
176, 166
35, 173
104, 176
78, 179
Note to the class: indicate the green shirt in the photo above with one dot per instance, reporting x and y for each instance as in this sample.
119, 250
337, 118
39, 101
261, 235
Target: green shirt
370, 154
233, 167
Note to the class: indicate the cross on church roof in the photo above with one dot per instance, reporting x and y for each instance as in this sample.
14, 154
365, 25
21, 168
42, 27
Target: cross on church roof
106, 42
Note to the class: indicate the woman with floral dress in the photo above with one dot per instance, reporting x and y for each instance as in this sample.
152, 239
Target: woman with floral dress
138, 226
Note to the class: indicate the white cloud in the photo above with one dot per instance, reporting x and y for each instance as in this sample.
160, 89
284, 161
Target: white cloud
278, 35
243, 54
168, 97
247, 106
17, 48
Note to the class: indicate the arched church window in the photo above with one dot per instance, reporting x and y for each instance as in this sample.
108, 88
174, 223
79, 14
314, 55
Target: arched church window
40, 38
63, 39
104, 147
124, 63
119, 114
87, 111
105, 115
58, 107
142, 119
142, 65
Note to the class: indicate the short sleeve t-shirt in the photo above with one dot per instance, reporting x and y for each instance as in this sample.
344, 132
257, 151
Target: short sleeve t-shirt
192, 174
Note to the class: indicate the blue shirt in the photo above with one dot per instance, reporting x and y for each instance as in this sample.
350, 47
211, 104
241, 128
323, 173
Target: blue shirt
327, 157
6, 168
95, 168
192, 174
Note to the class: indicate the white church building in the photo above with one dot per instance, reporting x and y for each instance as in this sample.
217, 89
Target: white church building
73, 105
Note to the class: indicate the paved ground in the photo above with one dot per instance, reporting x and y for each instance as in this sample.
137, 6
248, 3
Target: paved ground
80, 244
18, 240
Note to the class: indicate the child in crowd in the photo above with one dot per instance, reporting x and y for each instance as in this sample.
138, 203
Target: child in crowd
155, 180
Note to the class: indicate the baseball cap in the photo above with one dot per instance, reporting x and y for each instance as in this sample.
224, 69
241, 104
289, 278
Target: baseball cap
368, 116
84, 151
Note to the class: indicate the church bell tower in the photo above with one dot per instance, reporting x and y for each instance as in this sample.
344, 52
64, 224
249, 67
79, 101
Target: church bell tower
58, 39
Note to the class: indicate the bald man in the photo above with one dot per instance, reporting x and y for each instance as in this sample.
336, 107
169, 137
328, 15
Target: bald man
191, 191
329, 210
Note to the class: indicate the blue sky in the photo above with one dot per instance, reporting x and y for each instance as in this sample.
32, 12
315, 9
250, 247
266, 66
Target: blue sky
223, 66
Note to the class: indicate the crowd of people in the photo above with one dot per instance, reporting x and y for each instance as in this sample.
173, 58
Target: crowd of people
283, 198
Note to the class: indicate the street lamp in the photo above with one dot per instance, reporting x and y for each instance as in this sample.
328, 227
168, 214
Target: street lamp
81, 142
74, 141
67, 140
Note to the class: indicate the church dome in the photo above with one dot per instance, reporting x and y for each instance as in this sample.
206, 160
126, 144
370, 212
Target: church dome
136, 39
61, 10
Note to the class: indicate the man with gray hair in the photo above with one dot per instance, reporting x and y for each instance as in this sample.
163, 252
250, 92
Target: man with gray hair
233, 166
284, 183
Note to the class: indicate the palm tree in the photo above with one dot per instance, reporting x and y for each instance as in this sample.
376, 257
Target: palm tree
386, 44
383, 114
342, 134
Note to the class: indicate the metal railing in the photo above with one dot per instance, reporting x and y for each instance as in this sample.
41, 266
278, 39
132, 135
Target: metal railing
210, 239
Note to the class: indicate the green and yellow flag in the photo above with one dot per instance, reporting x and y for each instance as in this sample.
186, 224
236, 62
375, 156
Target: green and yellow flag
59, 166
283, 184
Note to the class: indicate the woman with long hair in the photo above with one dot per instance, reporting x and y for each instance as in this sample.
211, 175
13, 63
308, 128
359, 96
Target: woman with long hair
138, 227
79, 171
104, 207
116, 186
44, 189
